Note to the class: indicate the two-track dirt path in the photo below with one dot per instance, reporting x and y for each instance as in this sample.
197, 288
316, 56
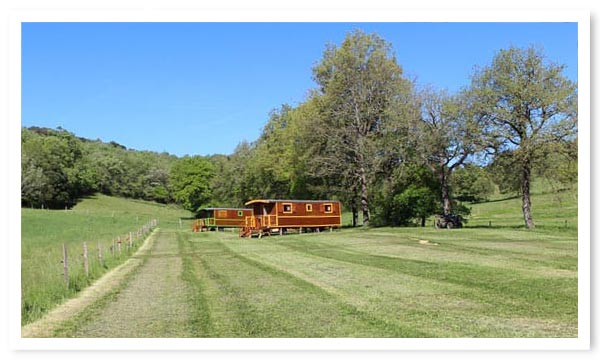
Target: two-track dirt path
145, 297
154, 302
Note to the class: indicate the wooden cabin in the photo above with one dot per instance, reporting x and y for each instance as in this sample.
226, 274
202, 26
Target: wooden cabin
215, 218
280, 215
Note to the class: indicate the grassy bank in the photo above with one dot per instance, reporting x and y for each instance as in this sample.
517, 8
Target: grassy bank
97, 221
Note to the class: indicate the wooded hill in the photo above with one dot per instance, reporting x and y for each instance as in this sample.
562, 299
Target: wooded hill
368, 136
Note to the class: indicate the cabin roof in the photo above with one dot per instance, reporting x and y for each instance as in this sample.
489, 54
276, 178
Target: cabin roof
225, 209
271, 201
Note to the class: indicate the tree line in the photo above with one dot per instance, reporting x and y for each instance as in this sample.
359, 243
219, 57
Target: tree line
367, 135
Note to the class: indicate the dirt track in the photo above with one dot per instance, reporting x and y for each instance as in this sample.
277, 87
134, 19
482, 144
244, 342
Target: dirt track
154, 302
151, 305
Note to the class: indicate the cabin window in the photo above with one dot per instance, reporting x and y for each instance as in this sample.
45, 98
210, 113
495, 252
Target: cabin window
240, 213
308, 207
328, 208
287, 208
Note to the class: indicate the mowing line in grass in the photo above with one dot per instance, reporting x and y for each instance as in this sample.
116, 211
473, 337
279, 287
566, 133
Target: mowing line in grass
538, 297
525, 296
200, 322
268, 302
400, 331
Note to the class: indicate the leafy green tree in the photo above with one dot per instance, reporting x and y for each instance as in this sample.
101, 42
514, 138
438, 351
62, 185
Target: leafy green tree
471, 183
415, 203
156, 185
54, 153
502, 170
396, 199
527, 102
358, 81
446, 134
190, 181
33, 182
558, 163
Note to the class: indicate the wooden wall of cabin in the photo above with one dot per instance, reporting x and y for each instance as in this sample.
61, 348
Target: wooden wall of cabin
302, 215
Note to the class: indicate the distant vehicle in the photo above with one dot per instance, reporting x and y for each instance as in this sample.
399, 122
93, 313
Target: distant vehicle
449, 221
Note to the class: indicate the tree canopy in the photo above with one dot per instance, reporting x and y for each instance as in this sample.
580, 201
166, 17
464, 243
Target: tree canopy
527, 103
365, 135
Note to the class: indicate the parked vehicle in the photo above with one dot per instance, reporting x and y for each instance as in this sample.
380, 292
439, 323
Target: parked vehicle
448, 221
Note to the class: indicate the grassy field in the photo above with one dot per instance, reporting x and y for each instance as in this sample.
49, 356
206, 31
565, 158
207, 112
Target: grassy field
94, 220
384, 283
553, 207
479, 281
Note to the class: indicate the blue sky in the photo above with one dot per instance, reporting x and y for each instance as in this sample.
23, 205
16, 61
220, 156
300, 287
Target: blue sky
201, 88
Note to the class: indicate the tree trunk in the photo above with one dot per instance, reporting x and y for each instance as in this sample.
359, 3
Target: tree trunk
364, 196
354, 215
445, 192
525, 187
423, 221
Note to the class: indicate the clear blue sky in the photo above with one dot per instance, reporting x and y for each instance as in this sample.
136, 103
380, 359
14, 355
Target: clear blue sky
201, 88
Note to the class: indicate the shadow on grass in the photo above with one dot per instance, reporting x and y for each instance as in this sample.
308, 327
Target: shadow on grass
499, 200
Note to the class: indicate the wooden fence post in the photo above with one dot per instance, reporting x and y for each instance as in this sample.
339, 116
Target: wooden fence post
100, 253
130, 239
119, 244
113, 247
86, 264
65, 265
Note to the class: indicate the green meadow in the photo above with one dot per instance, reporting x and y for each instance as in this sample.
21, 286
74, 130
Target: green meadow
479, 281
97, 221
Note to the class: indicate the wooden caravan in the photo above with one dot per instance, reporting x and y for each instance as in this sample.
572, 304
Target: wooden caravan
215, 218
280, 215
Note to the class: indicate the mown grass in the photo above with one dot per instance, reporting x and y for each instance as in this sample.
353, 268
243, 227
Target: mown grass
249, 298
375, 283
96, 220
479, 281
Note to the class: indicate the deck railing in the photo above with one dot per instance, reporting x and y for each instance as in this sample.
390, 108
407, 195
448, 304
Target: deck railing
261, 221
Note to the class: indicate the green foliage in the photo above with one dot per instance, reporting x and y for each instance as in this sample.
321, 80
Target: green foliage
410, 193
527, 103
364, 137
502, 169
557, 161
57, 169
48, 165
190, 181
471, 183
414, 203
360, 83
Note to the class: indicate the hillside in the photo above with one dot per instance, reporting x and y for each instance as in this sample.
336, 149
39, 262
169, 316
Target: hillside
552, 209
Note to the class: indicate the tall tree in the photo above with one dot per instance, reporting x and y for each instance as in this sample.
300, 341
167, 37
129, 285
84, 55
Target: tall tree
190, 180
358, 81
446, 134
528, 103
